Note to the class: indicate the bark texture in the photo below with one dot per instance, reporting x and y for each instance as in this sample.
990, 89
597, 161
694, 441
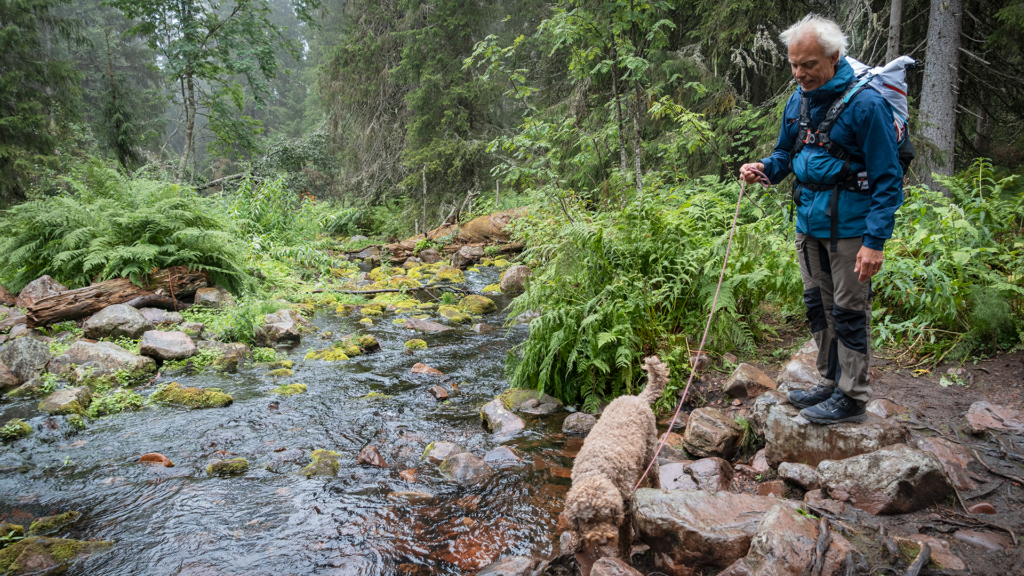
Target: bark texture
941, 86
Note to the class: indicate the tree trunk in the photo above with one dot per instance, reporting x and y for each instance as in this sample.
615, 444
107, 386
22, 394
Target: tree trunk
189, 102
636, 138
981, 132
178, 282
892, 51
941, 86
623, 162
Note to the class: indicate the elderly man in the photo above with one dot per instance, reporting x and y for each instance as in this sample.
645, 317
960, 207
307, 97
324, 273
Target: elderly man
849, 184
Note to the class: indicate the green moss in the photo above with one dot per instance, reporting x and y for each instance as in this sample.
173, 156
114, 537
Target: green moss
416, 344
281, 364
473, 269
492, 288
909, 551
454, 314
500, 263
73, 407
115, 403
332, 354
367, 342
23, 392
406, 304
421, 316
12, 530
325, 463
374, 395
449, 274
366, 321
36, 553
377, 274
344, 309
14, 429
228, 467
281, 373
173, 393
478, 305
76, 422
50, 524
371, 312
398, 321
404, 282
289, 389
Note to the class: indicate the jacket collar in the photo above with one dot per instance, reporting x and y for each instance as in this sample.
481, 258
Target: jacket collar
837, 85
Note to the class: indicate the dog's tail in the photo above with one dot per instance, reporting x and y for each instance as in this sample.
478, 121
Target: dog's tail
657, 378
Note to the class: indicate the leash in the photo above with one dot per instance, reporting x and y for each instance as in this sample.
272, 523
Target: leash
763, 180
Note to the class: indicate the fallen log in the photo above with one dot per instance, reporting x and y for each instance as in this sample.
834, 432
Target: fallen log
176, 282
158, 301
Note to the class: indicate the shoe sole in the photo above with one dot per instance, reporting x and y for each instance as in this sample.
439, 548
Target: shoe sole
828, 421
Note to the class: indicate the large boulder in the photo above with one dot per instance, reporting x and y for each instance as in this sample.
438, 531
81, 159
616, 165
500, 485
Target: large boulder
465, 468
709, 432
158, 317
107, 355
466, 256
513, 280
167, 345
893, 480
499, 420
36, 290
67, 401
785, 546
689, 530
117, 321
213, 297
708, 474
282, 326
791, 438
26, 358
747, 381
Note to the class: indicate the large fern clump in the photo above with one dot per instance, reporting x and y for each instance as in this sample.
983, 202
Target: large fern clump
112, 226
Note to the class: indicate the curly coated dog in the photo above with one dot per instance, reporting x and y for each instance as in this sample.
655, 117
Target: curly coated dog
608, 467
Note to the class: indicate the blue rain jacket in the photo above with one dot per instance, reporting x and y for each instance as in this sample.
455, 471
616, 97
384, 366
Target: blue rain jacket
866, 130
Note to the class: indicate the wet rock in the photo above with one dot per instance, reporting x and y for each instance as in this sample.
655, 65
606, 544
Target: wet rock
466, 256
111, 357
92, 375
893, 480
478, 305
425, 326
775, 488
578, 423
510, 566
954, 458
689, 530
36, 290
792, 439
673, 448
982, 508
193, 329
438, 452
156, 458
213, 297
26, 358
412, 497
7, 378
483, 328
819, 499
784, 545
513, 281
167, 345
29, 389
232, 354
982, 416
612, 567
409, 475
50, 524
282, 326
884, 408
174, 393
502, 455
747, 382
992, 541
15, 429
430, 256
942, 557
6, 298
449, 274
454, 315
158, 317
499, 420
117, 321
67, 401
800, 474
38, 554
370, 456
709, 432
439, 393
421, 368
708, 474
465, 469
522, 400
228, 467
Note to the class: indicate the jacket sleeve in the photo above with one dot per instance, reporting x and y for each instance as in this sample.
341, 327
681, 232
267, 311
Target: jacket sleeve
777, 166
876, 138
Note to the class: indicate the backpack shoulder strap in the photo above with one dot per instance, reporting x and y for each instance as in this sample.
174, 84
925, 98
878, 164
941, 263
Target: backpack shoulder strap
803, 125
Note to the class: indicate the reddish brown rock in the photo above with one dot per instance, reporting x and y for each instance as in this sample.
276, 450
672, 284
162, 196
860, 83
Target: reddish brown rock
156, 458
6, 298
613, 567
369, 456
792, 439
760, 462
893, 480
673, 448
776, 488
425, 326
36, 290
408, 475
421, 368
466, 256
510, 566
982, 508
502, 455
513, 281
465, 469
747, 382
986, 540
709, 432
439, 393
438, 452
954, 458
982, 416
885, 408
800, 474
801, 369
708, 474
818, 499
7, 378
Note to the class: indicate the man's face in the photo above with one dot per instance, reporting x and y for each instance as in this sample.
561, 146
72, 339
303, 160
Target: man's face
811, 67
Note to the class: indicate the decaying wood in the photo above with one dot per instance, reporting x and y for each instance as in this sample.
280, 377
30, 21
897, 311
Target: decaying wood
177, 282
157, 301
921, 561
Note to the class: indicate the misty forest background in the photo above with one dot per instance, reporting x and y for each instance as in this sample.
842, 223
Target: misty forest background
253, 138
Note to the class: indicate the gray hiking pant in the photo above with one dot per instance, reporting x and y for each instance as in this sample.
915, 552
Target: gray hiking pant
839, 311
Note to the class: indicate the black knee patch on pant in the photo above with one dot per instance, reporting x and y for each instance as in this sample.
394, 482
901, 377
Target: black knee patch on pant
851, 328
834, 370
815, 309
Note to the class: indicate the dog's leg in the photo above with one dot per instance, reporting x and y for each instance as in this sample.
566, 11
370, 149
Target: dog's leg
626, 532
654, 477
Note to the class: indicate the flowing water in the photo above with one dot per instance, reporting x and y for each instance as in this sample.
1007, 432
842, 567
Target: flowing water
272, 520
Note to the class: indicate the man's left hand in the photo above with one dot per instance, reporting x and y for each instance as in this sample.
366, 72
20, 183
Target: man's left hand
869, 262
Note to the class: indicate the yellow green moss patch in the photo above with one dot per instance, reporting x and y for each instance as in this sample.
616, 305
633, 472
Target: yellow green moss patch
454, 314
50, 524
416, 344
478, 304
281, 373
492, 288
325, 463
366, 321
228, 467
173, 393
289, 390
500, 263
398, 321
331, 354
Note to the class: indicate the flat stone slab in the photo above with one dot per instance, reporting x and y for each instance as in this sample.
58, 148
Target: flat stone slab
793, 439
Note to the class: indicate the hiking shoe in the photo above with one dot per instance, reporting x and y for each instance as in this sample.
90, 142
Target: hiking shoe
838, 408
807, 398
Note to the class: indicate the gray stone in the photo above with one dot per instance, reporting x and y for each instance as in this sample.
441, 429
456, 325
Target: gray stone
465, 469
18, 331
747, 381
430, 256
213, 297
26, 358
800, 474
358, 238
483, 328
91, 374
30, 389
36, 290
425, 326
466, 256
578, 423
762, 406
370, 252
513, 280
499, 420
111, 357
158, 317
117, 321
530, 401
502, 455
438, 452
613, 567
284, 325
167, 345
510, 566
67, 401
802, 367
893, 480
708, 474
193, 329
709, 432
793, 439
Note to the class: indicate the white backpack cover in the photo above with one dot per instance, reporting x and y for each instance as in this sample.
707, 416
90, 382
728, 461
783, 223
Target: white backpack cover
891, 82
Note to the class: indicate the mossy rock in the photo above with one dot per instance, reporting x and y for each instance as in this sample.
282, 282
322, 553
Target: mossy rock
501, 263
228, 467
289, 390
14, 429
344, 309
374, 395
71, 408
76, 421
426, 306
191, 397
332, 354
909, 551
377, 274
289, 364
38, 554
398, 321
13, 530
366, 321
415, 274
404, 282
371, 312
455, 315
378, 306
449, 274
421, 316
472, 269
406, 304
492, 288
478, 305
27, 390
50, 524
325, 463
513, 398
281, 373
368, 343
416, 344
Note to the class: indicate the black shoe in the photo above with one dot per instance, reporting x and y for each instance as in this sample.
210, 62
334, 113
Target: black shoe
808, 398
838, 408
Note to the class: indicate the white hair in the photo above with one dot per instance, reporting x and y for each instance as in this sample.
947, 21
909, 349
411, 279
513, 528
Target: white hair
825, 31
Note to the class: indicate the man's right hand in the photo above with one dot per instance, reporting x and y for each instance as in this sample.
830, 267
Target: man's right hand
747, 171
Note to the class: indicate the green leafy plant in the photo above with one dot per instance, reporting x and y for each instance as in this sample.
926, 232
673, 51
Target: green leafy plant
119, 401
48, 383
261, 355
